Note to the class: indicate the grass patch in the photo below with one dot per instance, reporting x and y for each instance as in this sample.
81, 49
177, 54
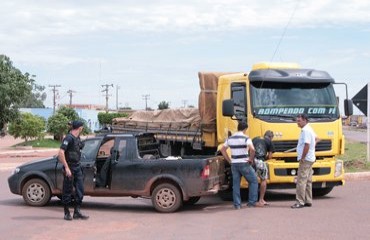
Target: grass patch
355, 157
43, 143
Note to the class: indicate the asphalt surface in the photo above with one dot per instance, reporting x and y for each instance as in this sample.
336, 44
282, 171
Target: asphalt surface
343, 214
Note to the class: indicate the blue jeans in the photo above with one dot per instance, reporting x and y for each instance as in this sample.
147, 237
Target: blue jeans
244, 169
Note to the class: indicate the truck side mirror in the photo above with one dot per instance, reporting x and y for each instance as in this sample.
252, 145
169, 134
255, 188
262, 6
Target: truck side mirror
348, 107
228, 108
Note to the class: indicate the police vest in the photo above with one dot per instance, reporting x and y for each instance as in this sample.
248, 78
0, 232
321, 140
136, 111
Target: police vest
73, 152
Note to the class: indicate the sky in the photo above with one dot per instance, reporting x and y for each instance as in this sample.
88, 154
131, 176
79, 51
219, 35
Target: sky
156, 48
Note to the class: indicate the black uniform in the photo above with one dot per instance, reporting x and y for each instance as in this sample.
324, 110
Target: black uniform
72, 147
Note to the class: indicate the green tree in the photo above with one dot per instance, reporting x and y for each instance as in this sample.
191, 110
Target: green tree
27, 126
106, 118
163, 105
58, 125
36, 98
69, 113
14, 88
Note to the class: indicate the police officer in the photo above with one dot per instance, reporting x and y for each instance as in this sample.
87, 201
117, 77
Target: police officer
69, 155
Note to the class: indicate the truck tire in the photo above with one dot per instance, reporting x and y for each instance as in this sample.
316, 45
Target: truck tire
319, 192
166, 198
36, 192
191, 201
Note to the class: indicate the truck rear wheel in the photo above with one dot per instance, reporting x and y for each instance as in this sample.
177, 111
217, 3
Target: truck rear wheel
166, 198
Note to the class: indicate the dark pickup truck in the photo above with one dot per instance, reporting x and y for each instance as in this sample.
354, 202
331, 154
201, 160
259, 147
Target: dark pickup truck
124, 165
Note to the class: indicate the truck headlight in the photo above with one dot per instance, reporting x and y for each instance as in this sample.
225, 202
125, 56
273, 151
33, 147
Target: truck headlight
338, 168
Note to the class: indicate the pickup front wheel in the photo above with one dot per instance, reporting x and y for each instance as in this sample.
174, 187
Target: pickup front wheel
36, 192
166, 198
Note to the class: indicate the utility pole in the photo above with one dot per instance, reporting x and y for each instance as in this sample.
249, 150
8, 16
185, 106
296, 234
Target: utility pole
106, 90
146, 98
54, 89
70, 92
184, 102
117, 88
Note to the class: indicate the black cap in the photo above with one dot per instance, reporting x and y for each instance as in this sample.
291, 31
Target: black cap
77, 124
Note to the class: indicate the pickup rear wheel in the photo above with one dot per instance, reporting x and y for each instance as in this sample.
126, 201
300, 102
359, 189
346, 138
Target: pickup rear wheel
36, 192
166, 198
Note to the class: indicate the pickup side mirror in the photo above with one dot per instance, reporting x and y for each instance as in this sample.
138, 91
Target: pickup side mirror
348, 107
228, 108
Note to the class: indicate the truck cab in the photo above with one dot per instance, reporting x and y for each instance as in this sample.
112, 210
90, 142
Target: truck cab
269, 98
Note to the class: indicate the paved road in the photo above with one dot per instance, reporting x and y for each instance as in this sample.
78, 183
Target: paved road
354, 134
343, 214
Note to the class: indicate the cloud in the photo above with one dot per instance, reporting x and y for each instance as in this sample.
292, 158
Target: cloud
129, 38
68, 18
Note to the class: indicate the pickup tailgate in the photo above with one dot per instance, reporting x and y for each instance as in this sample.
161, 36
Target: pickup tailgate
211, 177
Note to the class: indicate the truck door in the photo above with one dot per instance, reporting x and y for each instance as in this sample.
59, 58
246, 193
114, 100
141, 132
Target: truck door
239, 95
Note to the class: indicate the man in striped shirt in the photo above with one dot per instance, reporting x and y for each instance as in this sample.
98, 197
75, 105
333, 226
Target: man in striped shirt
242, 157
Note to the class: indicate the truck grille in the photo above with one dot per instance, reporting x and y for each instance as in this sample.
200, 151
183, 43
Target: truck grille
282, 146
287, 171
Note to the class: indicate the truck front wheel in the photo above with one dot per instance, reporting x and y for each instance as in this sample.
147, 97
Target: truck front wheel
166, 198
319, 192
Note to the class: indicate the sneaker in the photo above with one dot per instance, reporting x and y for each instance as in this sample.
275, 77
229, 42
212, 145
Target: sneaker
297, 205
237, 207
308, 204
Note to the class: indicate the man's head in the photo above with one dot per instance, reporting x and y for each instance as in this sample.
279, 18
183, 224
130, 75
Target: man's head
269, 134
242, 126
302, 120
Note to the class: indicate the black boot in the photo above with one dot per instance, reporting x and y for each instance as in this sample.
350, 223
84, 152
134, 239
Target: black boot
67, 214
78, 215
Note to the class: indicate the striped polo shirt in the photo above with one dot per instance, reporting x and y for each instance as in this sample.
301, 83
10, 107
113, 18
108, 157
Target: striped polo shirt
238, 144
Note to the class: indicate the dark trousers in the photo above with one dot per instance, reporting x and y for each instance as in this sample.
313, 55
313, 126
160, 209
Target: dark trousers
76, 182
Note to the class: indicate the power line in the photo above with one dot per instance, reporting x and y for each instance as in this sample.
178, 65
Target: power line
285, 29
54, 89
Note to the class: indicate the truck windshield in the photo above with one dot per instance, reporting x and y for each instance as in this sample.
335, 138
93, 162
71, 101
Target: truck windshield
272, 100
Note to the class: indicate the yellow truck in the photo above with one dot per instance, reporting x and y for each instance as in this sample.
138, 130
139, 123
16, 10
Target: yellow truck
268, 98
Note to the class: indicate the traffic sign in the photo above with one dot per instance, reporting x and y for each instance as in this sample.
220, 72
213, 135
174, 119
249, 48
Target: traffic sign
360, 100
